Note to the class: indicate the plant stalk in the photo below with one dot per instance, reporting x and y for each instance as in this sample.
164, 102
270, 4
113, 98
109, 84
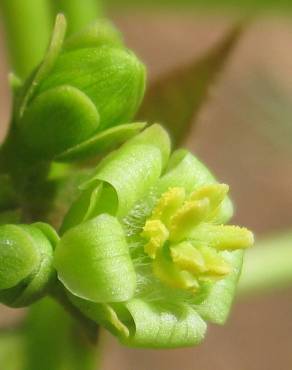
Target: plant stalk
55, 341
78, 13
28, 26
268, 266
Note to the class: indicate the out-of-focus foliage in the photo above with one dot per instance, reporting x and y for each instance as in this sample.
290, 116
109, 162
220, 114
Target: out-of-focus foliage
54, 341
176, 98
272, 254
215, 4
266, 106
78, 13
11, 351
27, 41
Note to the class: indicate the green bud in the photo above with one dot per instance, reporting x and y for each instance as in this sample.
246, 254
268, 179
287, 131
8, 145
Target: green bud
26, 270
91, 85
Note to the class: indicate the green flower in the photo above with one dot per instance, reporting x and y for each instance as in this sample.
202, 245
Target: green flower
26, 269
144, 251
82, 98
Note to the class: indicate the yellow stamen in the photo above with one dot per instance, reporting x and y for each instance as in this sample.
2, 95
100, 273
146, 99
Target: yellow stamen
222, 237
214, 192
187, 217
157, 234
172, 276
187, 257
168, 204
216, 266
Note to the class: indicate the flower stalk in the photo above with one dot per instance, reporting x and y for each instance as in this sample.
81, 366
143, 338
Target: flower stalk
28, 26
78, 13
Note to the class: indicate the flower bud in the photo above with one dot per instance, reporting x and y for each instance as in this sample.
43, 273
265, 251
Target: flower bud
26, 270
91, 88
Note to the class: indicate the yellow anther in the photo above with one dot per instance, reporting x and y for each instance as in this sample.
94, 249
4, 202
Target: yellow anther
192, 254
188, 258
222, 237
187, 217
168, 204
216, 266
171, 275
214, 192
157, 234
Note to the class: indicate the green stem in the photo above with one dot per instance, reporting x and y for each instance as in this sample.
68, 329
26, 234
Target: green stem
28, 26
11, 342
267, 266
78, 13
54, 341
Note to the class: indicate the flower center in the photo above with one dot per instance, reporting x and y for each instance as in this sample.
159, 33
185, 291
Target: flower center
183, 240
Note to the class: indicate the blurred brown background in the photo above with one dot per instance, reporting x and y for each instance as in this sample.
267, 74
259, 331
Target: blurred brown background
245, 135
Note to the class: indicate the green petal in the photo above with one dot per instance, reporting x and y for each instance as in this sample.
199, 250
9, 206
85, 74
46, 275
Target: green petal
101, 142
57, 120
185, 170
134, 168
93, 261
163, 326
156, 136
101, 313
217, 305
49, 232
150, 325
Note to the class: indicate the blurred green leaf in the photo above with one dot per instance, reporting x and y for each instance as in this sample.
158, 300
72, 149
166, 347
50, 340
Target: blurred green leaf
175, 99
249, 5
12, 216
11, 351
27, 25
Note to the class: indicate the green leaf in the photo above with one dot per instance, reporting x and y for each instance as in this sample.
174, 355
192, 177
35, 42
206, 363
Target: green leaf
176, 98
93, 261
101, 142
58, 119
